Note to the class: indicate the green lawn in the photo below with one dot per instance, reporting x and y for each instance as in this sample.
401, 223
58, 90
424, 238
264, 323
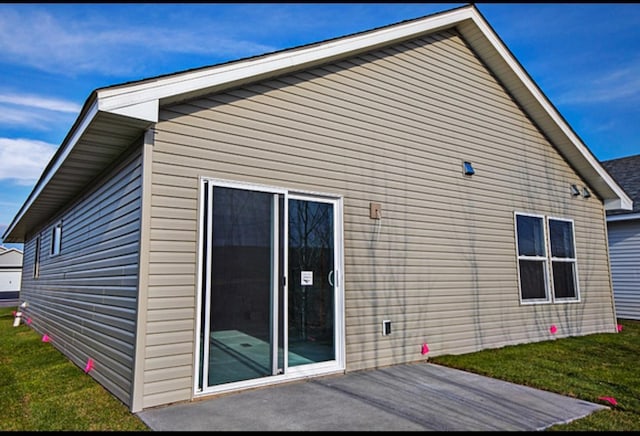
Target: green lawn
41, 390
586, 367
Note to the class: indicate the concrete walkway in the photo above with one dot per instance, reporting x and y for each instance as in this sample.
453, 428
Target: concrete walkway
414, 397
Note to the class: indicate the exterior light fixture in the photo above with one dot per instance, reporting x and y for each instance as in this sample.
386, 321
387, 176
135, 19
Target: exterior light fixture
585, 192
468, 169
574, 190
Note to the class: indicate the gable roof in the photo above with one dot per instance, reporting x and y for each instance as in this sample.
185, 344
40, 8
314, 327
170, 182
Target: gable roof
113, 117
10, 258
626, 172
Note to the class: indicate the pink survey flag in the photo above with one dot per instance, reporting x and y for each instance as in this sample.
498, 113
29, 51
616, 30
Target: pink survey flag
553, 329
609, 399
619, 328
28, 320
89, 366
45, 338
425, 348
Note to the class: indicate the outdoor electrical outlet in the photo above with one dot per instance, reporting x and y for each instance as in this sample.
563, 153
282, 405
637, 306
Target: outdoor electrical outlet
375, 211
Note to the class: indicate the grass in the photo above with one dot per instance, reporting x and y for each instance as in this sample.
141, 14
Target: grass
585, 367
40, 389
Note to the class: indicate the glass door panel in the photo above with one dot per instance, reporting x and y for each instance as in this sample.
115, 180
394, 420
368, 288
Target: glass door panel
244, 277
311, 265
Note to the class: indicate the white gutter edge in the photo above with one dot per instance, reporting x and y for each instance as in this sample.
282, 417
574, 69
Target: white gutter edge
142, 100
112, 100
147, 110
623, 217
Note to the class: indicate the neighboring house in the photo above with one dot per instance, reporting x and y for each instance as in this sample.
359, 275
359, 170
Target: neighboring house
624, 238
10, 273
340, 206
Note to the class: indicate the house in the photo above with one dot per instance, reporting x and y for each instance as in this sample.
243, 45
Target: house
624, 238
10, 273
365, 201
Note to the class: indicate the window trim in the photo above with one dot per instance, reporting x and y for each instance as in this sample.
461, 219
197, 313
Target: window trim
550, 295
573, 259
56, 239
36, 258
544, 259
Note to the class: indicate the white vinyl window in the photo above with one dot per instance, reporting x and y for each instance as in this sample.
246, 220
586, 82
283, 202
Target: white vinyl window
547, 264
56, 239
563, 259
36, 259
532, 258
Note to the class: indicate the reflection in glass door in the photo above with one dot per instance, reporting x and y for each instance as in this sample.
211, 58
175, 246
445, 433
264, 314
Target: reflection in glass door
243, 282
311, 282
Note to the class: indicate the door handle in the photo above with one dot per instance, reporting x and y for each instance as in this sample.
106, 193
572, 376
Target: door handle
330, 277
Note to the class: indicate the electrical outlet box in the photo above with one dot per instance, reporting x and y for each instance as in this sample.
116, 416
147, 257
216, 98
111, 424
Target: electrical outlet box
375, 211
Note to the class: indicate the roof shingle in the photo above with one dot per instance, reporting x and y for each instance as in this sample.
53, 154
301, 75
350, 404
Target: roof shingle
626, 172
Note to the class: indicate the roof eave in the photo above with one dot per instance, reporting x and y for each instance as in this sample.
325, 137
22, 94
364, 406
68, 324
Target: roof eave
147, 96
140, 101
86, 151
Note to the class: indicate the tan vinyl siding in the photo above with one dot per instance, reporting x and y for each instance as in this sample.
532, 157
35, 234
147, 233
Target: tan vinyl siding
392, 126
624, 249
85, 298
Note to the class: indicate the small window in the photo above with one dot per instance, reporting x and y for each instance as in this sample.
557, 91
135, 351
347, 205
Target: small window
532, 258
36, 259
56, 239
563, 259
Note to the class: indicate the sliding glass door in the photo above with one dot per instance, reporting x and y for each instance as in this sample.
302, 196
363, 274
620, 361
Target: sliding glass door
269, 284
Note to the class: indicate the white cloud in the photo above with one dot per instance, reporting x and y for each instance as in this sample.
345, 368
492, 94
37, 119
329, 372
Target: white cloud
10, 115
39, 102
35, 112
52, 40
621, 85
23, 160
34, 119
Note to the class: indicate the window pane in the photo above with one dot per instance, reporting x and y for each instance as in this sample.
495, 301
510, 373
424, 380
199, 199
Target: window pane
561, 235
241, 285
532, 279
563, 280
530, 236
56, 234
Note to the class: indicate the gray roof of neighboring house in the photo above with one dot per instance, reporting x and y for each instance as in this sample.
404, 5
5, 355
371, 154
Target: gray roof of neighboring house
626, 171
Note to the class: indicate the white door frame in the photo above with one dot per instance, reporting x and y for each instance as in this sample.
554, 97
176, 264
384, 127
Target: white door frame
203, 285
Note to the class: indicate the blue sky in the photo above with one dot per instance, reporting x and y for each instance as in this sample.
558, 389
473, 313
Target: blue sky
584, 56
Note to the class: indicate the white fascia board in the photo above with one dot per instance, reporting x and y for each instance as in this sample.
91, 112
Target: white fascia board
132, 96
60, 158
147, 110
623, 201
623, 217
618, 204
